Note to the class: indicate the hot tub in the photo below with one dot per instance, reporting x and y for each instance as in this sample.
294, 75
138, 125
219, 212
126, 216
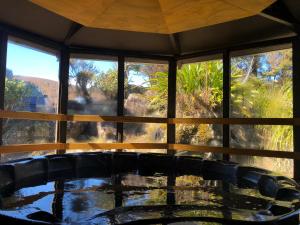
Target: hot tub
131, 188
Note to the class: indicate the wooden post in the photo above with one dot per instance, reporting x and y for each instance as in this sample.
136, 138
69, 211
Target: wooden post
63, 95
3, 51
226, 101
120, 100
171, 103
296, 103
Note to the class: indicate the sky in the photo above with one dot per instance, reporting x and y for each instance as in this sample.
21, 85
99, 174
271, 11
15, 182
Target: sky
29, 62
26, 61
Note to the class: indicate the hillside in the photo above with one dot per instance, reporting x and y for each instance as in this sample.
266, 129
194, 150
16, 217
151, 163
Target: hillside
48, 87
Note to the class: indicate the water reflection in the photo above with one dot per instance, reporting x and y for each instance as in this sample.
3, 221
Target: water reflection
128, 197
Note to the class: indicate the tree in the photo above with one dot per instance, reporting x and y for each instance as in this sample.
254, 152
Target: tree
83, 73
107, 83
16, 92
17, 98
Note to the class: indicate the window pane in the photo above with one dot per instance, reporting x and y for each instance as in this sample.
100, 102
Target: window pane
268, 137
27, 132
146, 89
264, 137
261, 85
104, 132
203, 135
31, 82
145, 133
93, 87
277, 165
199, 90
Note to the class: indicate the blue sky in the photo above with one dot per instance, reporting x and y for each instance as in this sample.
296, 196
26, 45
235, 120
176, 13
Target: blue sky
29, 62
26, 61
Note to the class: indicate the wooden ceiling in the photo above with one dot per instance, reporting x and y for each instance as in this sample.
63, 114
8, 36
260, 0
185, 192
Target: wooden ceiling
154, 16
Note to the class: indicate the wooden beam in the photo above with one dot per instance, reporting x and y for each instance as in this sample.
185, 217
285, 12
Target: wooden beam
32, 116
279, 13
75, 28
31, 147
118, 119
178, 147
270, 44
79, 118
175, 42
236, 121
237, 151
133, 119
87, 146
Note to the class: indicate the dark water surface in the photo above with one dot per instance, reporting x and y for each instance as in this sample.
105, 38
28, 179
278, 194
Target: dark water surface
124, 198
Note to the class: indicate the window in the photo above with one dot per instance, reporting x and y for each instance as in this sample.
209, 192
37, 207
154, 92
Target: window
93, 87
199, 90
199, 94
31, 84
145, 132
91, 132
146, 89
261, 87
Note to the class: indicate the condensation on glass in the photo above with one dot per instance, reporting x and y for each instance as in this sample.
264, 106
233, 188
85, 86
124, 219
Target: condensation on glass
261, 87
146, 88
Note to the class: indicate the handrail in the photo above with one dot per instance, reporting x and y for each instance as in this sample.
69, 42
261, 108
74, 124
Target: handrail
132, 119
17, 148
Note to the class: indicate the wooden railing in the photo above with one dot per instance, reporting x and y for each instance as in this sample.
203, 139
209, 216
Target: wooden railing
128, 119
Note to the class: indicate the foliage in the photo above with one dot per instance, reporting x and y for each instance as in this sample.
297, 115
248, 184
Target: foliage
83, 73
107, 83
199, 89
16, 91
263, 90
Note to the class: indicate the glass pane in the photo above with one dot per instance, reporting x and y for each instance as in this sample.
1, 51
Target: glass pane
27, 132
93, 87
277, 165
261, 85
146, 89
104, 132
263, 137
200, 134
145, 133
268, 137
31, 82
200, 90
